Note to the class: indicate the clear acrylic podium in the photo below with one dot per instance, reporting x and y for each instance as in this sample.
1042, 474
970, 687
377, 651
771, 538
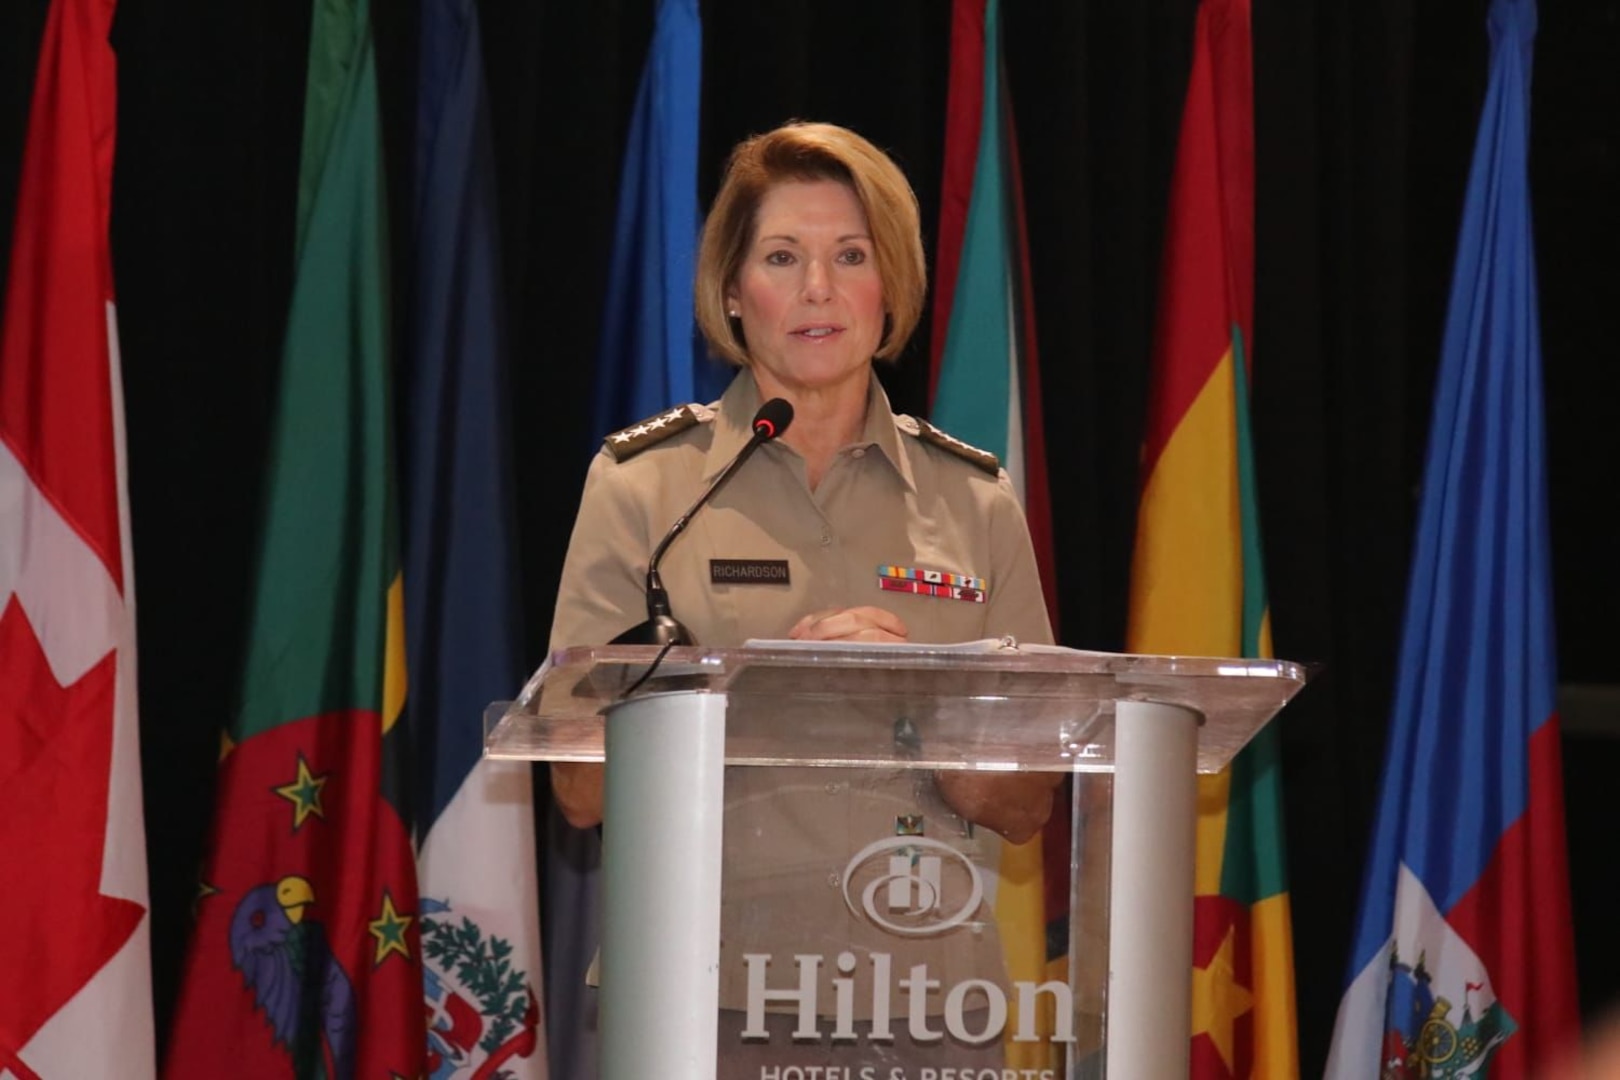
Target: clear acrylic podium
787, 884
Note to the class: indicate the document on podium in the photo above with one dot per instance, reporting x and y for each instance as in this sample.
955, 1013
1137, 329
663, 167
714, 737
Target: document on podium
980, 646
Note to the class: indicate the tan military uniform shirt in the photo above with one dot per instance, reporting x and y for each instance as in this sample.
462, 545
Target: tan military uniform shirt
890, 498
900, 495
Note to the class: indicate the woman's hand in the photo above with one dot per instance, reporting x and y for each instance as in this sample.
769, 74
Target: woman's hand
577, 787
1015, 805
850, 624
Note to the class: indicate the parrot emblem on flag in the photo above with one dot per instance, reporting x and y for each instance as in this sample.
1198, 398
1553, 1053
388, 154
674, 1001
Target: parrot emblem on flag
307, 998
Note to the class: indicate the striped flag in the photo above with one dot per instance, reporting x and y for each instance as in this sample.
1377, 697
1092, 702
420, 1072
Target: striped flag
984, 374
985, 384
477, 868
76, 999
306, 955
1463, 959
1197, 581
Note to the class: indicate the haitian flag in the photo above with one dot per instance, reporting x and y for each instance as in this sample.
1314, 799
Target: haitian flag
305, 959
1197, 576
76, 999
984, 377
1463, 961
477, 871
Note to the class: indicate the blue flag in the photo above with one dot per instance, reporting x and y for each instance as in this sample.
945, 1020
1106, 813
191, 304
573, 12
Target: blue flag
476, 867
651, 355
1463, 960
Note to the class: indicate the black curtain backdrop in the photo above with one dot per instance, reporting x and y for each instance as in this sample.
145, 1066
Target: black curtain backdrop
1365, 119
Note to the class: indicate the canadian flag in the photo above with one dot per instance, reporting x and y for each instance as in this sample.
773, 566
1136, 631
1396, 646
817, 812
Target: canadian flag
75, 996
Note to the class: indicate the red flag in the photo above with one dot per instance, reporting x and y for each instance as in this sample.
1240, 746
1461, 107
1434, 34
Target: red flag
76, 999
306, 956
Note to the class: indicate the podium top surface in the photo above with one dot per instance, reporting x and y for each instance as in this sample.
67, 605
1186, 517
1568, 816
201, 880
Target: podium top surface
982, 705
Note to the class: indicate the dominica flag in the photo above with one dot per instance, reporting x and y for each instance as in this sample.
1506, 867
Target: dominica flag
985, 384
305, 958
76, 996
1463, 959
1197, 583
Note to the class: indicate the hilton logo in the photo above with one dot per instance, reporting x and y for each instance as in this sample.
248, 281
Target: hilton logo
917, 887
914, 903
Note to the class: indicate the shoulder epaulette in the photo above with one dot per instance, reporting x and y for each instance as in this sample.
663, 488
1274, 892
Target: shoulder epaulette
655, 429
928, 433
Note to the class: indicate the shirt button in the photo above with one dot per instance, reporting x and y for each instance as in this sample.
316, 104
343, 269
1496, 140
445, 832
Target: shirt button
833, 881
826, 539
858, 452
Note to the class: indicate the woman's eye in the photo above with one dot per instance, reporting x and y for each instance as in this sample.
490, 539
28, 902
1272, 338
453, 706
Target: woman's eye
779, 258
852, 257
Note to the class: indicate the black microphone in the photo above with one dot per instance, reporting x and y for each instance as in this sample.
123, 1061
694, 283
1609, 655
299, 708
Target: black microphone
661, 627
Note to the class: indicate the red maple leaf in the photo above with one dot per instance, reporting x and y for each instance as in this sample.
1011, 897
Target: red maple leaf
55, 756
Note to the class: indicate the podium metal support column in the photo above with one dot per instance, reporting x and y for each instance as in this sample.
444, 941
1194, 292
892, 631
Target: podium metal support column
1151, 904
664, 801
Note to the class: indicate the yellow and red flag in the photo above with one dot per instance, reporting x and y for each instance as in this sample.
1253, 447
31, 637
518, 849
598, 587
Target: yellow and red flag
1197, 583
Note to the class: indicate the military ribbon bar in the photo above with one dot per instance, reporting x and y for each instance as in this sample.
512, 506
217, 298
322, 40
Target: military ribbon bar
938, 583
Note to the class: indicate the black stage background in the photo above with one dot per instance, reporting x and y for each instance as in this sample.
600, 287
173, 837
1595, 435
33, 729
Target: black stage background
1365, 119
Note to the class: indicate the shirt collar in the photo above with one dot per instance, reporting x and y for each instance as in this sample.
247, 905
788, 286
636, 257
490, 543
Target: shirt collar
740, 402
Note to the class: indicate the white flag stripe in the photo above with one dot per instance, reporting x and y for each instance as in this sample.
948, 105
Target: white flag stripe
1014, 463
105, 1030
123, 859
1358, 1031
494, 807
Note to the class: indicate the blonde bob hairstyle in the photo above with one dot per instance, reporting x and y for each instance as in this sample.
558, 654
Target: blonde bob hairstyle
805, 151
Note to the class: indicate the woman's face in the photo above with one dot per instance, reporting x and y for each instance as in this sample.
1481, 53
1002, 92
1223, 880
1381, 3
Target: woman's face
808, 292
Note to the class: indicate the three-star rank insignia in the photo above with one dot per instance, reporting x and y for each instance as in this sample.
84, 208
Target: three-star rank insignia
655, 429
932, 435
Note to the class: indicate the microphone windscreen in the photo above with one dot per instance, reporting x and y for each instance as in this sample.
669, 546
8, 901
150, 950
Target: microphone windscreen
773, 418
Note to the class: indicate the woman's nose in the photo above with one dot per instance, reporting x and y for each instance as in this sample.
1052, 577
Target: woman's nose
816, 287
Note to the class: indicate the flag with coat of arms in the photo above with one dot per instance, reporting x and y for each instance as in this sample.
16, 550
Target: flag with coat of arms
477, 868
1463, 958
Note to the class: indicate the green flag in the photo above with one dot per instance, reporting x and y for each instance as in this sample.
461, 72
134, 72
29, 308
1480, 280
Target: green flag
305, 951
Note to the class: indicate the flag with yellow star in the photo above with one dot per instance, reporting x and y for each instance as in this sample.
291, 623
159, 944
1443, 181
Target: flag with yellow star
305, 960
1197, 582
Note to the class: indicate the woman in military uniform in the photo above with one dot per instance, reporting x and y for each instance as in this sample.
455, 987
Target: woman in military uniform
858, 524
